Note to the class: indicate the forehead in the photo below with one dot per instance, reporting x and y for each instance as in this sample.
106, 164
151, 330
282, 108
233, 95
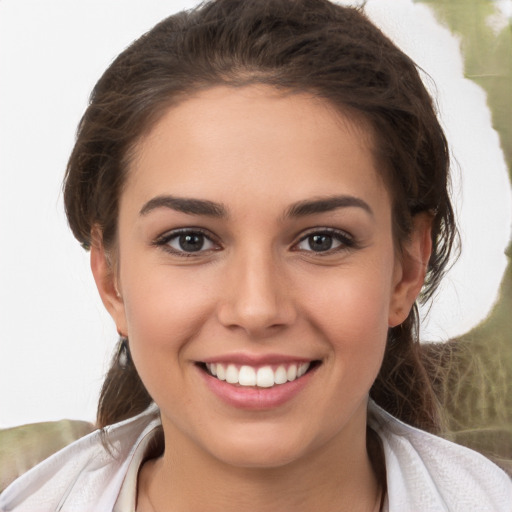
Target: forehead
228, 143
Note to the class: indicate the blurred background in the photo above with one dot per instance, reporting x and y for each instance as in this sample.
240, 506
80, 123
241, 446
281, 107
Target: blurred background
55, 338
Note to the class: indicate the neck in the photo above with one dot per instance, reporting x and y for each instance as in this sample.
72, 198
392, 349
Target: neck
337, 476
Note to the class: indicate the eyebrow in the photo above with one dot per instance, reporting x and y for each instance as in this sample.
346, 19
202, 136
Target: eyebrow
212, 209
327, 204
185, 205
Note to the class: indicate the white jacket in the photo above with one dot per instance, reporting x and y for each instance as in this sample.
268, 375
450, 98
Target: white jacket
424, 473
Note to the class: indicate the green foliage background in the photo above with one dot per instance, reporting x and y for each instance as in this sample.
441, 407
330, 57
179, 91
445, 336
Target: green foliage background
475, 370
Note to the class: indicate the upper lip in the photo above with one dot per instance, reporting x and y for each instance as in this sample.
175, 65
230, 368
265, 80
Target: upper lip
257, 359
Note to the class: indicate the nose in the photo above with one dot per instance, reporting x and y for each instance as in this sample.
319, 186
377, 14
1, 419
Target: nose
257, 297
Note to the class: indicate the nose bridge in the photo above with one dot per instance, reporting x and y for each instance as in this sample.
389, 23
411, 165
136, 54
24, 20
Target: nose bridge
256, 298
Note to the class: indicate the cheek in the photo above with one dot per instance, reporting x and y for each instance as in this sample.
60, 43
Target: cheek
163, 315
165, 306
164, 310
352, 301
350, 310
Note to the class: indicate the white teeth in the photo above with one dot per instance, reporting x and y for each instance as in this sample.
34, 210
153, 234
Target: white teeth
221, 372
232, 374
280, 377
247, 376
292, 372
263, 377
303, 368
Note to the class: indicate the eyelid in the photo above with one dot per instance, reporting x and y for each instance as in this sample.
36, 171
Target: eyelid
163, 240
347, 241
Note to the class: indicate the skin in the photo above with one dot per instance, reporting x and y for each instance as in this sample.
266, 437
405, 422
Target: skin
259, 288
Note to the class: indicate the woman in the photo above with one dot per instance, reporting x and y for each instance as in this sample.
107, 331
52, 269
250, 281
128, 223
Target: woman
262, 185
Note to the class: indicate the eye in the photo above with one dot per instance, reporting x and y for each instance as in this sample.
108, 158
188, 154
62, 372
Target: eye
324, 241
186, 242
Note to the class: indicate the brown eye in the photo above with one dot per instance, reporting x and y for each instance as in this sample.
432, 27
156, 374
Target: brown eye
186, 242
320, 243
331, 240
192, 242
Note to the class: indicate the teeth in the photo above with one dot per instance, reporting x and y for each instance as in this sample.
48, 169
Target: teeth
247, 376
292, 372
281, 376
263, 377
302, 369
232, 374
221, 372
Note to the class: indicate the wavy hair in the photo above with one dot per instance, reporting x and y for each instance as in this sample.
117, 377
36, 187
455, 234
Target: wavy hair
313, 46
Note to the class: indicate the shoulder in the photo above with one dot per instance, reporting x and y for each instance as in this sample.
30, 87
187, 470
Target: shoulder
428, 473
84, 476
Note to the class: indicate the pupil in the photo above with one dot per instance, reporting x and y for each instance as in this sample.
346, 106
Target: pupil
191, 243
320, 242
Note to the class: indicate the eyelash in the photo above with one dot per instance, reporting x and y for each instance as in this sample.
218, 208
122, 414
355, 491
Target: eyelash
164, 240
345, 240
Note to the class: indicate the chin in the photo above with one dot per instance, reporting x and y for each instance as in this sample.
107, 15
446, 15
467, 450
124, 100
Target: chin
264, 458
263, 449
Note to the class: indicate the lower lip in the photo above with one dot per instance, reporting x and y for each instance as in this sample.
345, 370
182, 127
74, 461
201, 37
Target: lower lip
254, 398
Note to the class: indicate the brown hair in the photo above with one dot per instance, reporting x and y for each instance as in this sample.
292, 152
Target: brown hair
312, 46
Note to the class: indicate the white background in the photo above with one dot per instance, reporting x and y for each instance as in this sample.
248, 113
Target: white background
55, 338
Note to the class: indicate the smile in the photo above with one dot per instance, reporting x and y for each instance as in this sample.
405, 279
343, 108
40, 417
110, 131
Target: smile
257, 383
262, 377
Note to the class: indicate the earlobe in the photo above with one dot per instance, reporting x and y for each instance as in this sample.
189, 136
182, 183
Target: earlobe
412, 268
107, 282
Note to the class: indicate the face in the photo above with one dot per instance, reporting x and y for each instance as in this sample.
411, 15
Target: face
256, 274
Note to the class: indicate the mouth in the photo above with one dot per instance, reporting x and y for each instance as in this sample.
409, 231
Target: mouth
265, 376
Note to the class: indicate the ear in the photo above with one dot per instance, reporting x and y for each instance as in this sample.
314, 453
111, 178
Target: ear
105, 276
410, 269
